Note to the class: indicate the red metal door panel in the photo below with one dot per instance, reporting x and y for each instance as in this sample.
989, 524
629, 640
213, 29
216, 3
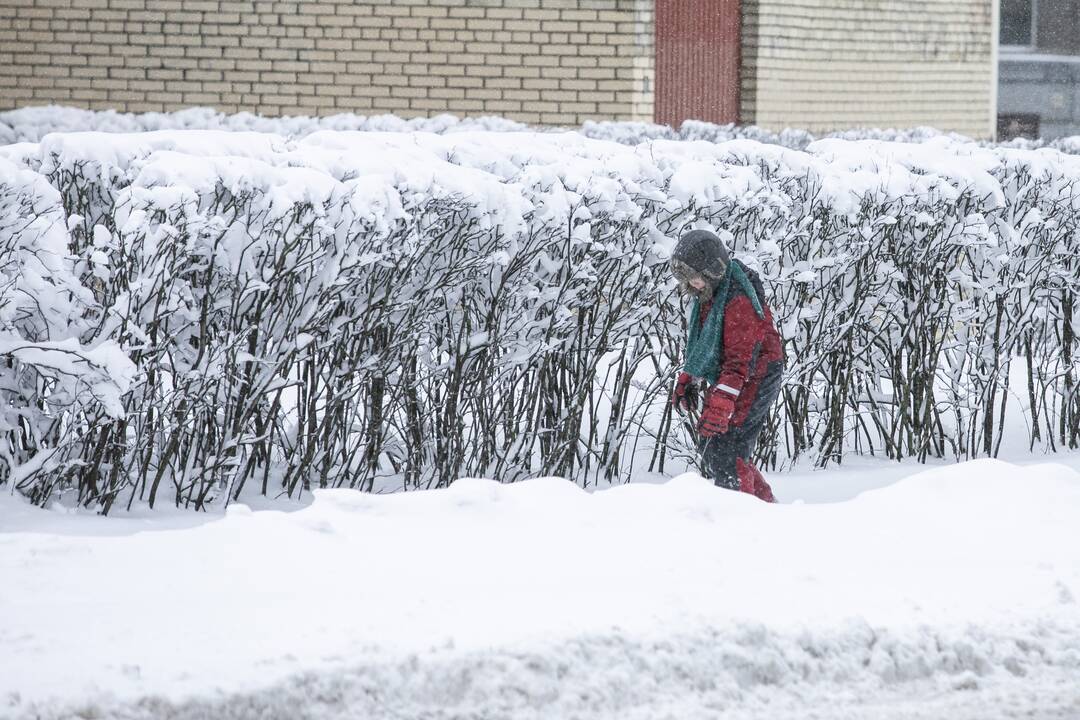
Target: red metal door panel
697, 60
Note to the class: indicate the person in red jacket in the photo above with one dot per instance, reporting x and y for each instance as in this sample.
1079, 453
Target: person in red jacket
734, 357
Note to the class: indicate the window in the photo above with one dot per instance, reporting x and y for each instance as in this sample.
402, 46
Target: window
1018, 24
1014, 125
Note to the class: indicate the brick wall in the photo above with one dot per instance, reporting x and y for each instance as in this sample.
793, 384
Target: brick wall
832, 64
537, 61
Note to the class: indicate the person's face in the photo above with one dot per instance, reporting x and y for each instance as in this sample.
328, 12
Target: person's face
693, 284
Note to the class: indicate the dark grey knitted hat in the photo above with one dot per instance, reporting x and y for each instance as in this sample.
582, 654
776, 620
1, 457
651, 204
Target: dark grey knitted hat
702, 251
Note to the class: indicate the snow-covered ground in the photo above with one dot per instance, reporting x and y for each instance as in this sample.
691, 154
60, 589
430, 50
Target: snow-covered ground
951, 592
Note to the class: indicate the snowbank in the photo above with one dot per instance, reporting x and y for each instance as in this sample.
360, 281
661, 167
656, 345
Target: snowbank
34, 123
31, 124
537, 599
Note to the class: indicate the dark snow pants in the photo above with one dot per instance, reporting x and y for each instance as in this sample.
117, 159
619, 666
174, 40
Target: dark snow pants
727, 458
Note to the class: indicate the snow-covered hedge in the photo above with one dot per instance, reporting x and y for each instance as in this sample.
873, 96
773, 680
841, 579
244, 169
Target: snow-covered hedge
53, 384
31, 124
346, 307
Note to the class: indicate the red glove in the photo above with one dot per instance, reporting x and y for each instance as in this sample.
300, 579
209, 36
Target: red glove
686, 393
716, 417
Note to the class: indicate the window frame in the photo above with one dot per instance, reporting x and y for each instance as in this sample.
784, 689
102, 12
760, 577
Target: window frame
1033, 45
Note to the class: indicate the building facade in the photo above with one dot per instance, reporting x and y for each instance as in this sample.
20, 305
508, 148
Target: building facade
542, 62
831, 64
1039, 93
816, 64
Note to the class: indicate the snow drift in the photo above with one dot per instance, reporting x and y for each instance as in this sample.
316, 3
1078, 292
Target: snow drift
537, 599
31, 124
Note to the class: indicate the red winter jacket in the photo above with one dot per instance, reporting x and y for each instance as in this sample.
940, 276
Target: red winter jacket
750, 344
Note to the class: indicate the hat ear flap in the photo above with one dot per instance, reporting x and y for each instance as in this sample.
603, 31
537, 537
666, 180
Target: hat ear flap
716, 270
681, 270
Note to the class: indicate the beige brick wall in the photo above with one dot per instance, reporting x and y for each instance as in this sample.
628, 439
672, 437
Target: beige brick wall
538, 61
833, 64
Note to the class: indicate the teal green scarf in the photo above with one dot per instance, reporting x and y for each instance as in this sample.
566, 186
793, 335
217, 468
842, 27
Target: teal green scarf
704, 345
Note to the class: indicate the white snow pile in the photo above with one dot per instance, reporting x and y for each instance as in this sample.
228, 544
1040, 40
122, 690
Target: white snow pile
31, 124
956, 587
